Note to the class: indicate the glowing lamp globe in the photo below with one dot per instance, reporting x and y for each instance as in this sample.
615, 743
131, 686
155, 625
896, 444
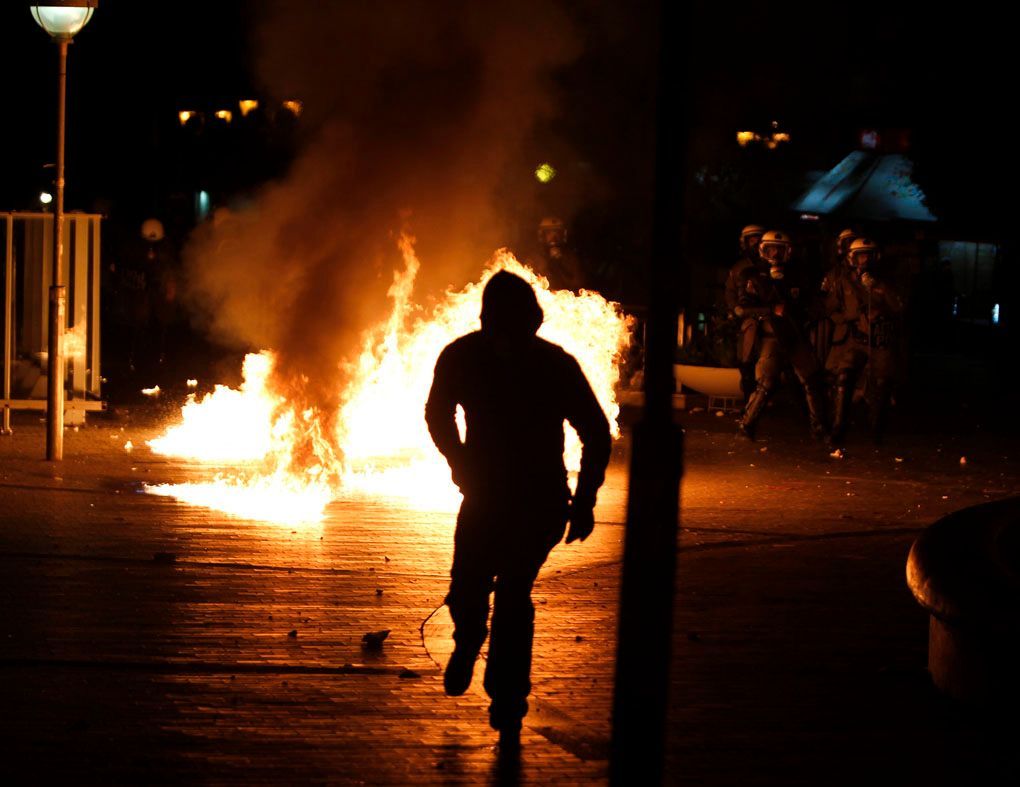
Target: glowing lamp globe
64, 19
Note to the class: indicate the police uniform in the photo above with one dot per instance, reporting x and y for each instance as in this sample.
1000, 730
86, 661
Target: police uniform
870, 319
781, 340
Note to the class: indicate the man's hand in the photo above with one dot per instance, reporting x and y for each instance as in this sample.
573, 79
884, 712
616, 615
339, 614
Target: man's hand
867, 280
582, 521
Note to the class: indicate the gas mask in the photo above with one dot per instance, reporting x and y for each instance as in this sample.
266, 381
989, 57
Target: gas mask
776, 255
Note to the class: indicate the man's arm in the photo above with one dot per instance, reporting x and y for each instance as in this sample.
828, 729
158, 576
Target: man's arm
585, 414
441, 410
834, 306
731, 292
886, 299
749, 300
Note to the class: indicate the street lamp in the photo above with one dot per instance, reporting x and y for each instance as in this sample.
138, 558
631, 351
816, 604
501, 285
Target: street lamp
62, 19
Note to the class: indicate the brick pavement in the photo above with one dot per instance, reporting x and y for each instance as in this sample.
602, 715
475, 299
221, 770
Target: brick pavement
798, 654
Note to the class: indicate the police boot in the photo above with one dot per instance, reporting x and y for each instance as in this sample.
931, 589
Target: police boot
755, 405
747, 383
840, 412
816, 411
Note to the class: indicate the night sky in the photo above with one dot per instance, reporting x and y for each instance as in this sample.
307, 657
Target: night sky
822, 70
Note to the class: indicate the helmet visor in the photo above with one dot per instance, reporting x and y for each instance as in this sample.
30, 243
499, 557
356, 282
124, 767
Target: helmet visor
774, 252
863, 258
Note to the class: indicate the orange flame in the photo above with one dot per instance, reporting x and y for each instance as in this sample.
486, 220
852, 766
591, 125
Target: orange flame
74, 341
384, 446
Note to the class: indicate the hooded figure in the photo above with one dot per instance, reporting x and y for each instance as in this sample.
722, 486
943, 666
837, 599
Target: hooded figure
516, 391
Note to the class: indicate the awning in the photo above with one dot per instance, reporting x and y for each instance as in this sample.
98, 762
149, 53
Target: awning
867, 187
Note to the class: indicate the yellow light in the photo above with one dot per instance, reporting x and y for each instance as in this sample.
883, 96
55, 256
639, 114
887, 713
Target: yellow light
744, 138
185, 115
780, 136
247, 105
225, 115
545, 172
294, 107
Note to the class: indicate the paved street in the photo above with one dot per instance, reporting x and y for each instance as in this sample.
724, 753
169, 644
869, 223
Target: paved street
146, 641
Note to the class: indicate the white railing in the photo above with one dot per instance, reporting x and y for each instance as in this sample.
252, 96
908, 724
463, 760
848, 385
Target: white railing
26, 241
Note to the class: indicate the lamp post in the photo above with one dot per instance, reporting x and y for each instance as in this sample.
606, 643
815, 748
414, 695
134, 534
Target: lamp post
645, 632
62, 19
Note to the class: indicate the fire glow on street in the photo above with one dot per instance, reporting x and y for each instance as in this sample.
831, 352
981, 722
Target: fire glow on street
276, 464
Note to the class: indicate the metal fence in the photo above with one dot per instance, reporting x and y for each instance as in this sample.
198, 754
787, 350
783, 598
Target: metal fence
26, 240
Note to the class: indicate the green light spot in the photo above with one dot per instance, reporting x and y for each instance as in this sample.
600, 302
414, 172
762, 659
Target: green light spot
545, 173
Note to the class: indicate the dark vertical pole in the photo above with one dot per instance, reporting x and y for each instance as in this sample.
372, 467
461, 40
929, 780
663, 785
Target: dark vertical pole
5, 428
58, 293
649, 564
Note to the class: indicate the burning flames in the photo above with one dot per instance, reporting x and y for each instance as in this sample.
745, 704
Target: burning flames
381, 446
74, 341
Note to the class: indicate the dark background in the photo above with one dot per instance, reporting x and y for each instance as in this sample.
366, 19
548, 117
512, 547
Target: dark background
824, 72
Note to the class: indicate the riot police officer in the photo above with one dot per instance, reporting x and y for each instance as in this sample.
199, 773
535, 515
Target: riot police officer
770, 304
736, 280
870, 307
554, 259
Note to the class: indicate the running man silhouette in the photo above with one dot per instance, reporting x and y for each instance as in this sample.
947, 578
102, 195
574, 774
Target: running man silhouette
516, 391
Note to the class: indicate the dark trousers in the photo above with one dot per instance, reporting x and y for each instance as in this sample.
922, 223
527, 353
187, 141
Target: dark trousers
500, 549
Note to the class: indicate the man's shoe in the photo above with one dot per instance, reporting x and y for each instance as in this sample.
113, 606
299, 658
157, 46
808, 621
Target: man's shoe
459, 669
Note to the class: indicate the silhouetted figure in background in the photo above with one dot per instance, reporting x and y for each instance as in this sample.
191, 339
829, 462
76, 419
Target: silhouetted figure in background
554, 259
516, 391
771, 305
869, 303
736, 282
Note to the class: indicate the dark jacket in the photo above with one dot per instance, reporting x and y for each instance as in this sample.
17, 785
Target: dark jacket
516, 392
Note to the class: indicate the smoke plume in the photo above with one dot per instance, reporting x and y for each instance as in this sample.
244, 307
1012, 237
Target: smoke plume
414, 112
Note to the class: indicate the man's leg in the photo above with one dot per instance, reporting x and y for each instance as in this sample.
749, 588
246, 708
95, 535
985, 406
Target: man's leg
766, 372
748, 340
847, 369
806, 367
508, 669
468, 600
882, 374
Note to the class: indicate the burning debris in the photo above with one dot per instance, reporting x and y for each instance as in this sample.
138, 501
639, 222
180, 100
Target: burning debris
373, 640
74, 341
152, 392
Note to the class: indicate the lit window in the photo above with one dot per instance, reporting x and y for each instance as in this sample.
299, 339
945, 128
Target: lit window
202, 205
